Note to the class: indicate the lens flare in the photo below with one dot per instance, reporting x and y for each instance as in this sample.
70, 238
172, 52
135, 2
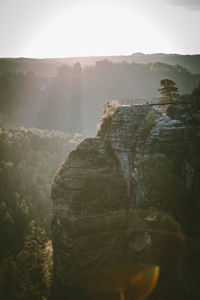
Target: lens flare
135, 282
144, 282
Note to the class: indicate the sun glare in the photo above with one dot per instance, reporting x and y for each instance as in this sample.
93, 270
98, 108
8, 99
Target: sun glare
97, 30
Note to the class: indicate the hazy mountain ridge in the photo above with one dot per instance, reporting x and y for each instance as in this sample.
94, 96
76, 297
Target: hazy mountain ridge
48, 66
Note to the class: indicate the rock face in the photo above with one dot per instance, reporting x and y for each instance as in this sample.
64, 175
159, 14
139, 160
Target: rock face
130, 197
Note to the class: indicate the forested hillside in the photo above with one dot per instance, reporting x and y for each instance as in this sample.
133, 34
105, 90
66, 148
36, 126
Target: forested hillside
29, 159
72, 99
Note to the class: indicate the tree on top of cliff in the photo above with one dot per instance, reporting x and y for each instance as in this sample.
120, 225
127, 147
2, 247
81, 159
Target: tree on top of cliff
168, 91
109, 108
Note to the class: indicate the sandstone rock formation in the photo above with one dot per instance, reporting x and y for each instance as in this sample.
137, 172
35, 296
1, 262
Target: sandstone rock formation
128, 199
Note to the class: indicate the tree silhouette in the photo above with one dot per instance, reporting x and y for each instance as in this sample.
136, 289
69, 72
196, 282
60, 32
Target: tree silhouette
168, 91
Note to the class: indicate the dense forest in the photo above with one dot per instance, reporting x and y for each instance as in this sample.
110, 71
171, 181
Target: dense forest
28, 163
72, 99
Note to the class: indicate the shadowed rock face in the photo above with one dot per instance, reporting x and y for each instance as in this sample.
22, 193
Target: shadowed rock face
124, 198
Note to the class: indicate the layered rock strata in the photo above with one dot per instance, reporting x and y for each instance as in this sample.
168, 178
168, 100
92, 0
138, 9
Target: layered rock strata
124, 198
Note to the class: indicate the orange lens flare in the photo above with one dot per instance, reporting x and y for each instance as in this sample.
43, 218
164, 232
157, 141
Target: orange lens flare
144, 282
129, 281
122, 297
136, 278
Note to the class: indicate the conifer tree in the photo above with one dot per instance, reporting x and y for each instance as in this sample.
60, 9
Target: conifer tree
31, 264
168, 91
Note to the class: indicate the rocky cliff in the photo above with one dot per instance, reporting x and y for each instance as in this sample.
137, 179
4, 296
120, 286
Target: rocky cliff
126, 202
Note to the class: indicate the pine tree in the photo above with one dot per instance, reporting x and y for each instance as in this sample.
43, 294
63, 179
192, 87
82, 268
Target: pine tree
31, 264
168, 91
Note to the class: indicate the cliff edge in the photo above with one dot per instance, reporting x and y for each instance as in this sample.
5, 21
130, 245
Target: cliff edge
128, 200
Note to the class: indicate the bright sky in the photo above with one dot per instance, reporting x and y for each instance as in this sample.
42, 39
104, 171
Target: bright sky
64, 28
